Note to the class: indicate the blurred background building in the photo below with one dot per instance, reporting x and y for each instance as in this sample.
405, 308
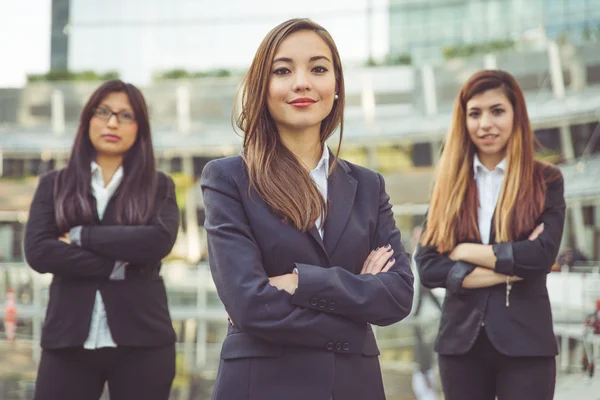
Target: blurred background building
399, 98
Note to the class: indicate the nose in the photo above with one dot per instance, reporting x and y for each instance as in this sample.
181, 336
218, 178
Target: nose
486, 121
113, 122
301, 83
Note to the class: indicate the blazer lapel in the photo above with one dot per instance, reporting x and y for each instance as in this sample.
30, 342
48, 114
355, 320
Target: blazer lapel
314, 233
341, 190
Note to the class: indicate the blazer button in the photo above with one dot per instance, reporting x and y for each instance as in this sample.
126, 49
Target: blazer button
322, 304
330, 346
331, 306
346, 346
314, 301
338, 346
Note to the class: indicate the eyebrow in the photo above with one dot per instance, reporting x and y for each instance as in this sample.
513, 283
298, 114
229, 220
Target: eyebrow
289, 60
104, 105
494, 106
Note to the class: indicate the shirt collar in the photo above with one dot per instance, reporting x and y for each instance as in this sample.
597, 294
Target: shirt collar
99, 179
324, 161
478, 166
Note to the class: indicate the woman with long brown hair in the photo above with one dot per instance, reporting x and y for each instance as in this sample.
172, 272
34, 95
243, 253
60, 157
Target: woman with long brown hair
101, 227
490, 238
303, 246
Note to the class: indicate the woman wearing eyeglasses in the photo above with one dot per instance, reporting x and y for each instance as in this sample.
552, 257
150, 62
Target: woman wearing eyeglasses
101, 226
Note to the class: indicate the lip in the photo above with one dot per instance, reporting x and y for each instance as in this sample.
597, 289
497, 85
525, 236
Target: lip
111, 138
488, 141
302, 102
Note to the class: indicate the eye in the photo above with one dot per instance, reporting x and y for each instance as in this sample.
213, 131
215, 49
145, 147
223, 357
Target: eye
474, 114
320, 70
103, 112
497, 111
281, 71
127, 116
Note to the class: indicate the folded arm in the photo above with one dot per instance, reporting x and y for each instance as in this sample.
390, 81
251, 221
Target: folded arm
525, 258
138, 243
380, 299
256, 307
44, 251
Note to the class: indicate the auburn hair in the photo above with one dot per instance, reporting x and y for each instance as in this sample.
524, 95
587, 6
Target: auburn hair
274, 171
452, 215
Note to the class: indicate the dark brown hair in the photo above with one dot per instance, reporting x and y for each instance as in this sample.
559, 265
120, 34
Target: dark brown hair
135, 197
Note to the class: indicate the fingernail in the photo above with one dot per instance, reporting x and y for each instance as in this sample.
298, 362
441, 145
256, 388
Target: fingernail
387, 246
377, 248
393, 260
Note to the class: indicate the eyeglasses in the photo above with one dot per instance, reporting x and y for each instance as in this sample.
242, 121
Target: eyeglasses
123, 117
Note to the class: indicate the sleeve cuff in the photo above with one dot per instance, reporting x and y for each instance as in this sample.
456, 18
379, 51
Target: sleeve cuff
457, 275
118, 272
75, 235
505, 261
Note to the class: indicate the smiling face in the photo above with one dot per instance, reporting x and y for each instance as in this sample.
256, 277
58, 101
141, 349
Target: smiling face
490, 124
302, 84
116, 135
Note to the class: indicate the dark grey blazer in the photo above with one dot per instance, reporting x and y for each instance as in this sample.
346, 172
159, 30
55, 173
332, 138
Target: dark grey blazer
318, 342
525, 327
136, 307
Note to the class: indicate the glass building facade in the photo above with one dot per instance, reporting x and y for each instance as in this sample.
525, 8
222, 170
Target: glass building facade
424, 28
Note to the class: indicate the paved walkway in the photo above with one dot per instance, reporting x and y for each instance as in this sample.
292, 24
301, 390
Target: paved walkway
578, 387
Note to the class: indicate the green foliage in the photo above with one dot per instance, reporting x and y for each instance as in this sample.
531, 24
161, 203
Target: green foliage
65, 75
396, 59
468, 50
400, 59
180, 73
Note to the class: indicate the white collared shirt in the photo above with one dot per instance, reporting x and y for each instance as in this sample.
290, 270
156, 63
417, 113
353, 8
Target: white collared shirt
489, 185
319, 176
99, 335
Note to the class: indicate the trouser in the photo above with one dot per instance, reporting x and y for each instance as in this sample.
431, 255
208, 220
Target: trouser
484, 373
131, 372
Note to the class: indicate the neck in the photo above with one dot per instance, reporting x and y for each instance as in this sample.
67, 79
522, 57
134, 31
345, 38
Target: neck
305, 145
490, 161
109, 165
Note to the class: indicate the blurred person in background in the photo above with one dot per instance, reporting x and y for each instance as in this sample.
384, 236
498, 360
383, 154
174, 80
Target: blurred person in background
303, 246
101, 226
490, 238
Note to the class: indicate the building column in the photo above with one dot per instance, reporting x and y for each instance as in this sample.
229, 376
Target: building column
566, 142
57, 112
429, 90
190, 213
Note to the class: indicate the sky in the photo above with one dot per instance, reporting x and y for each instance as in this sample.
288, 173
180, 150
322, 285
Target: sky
161, 35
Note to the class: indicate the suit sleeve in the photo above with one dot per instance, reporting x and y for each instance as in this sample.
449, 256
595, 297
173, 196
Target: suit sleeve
380, 299
139, 243
255, 306
439, 271
45, 253
531, 258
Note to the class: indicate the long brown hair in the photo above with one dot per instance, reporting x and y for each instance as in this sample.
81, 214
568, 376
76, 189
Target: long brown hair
274, 171
135, 198
452, 216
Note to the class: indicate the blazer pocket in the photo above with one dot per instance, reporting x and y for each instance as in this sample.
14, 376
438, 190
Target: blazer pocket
242, 345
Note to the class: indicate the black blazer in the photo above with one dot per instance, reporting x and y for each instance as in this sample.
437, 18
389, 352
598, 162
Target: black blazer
317, 342
525, 327
136, 307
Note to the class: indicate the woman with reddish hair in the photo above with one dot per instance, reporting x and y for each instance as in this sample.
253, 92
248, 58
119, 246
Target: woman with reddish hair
491, 235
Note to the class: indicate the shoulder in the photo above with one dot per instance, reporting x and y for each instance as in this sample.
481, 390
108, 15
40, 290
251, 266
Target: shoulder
551, 174
47, 179
227, 167
361, 174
